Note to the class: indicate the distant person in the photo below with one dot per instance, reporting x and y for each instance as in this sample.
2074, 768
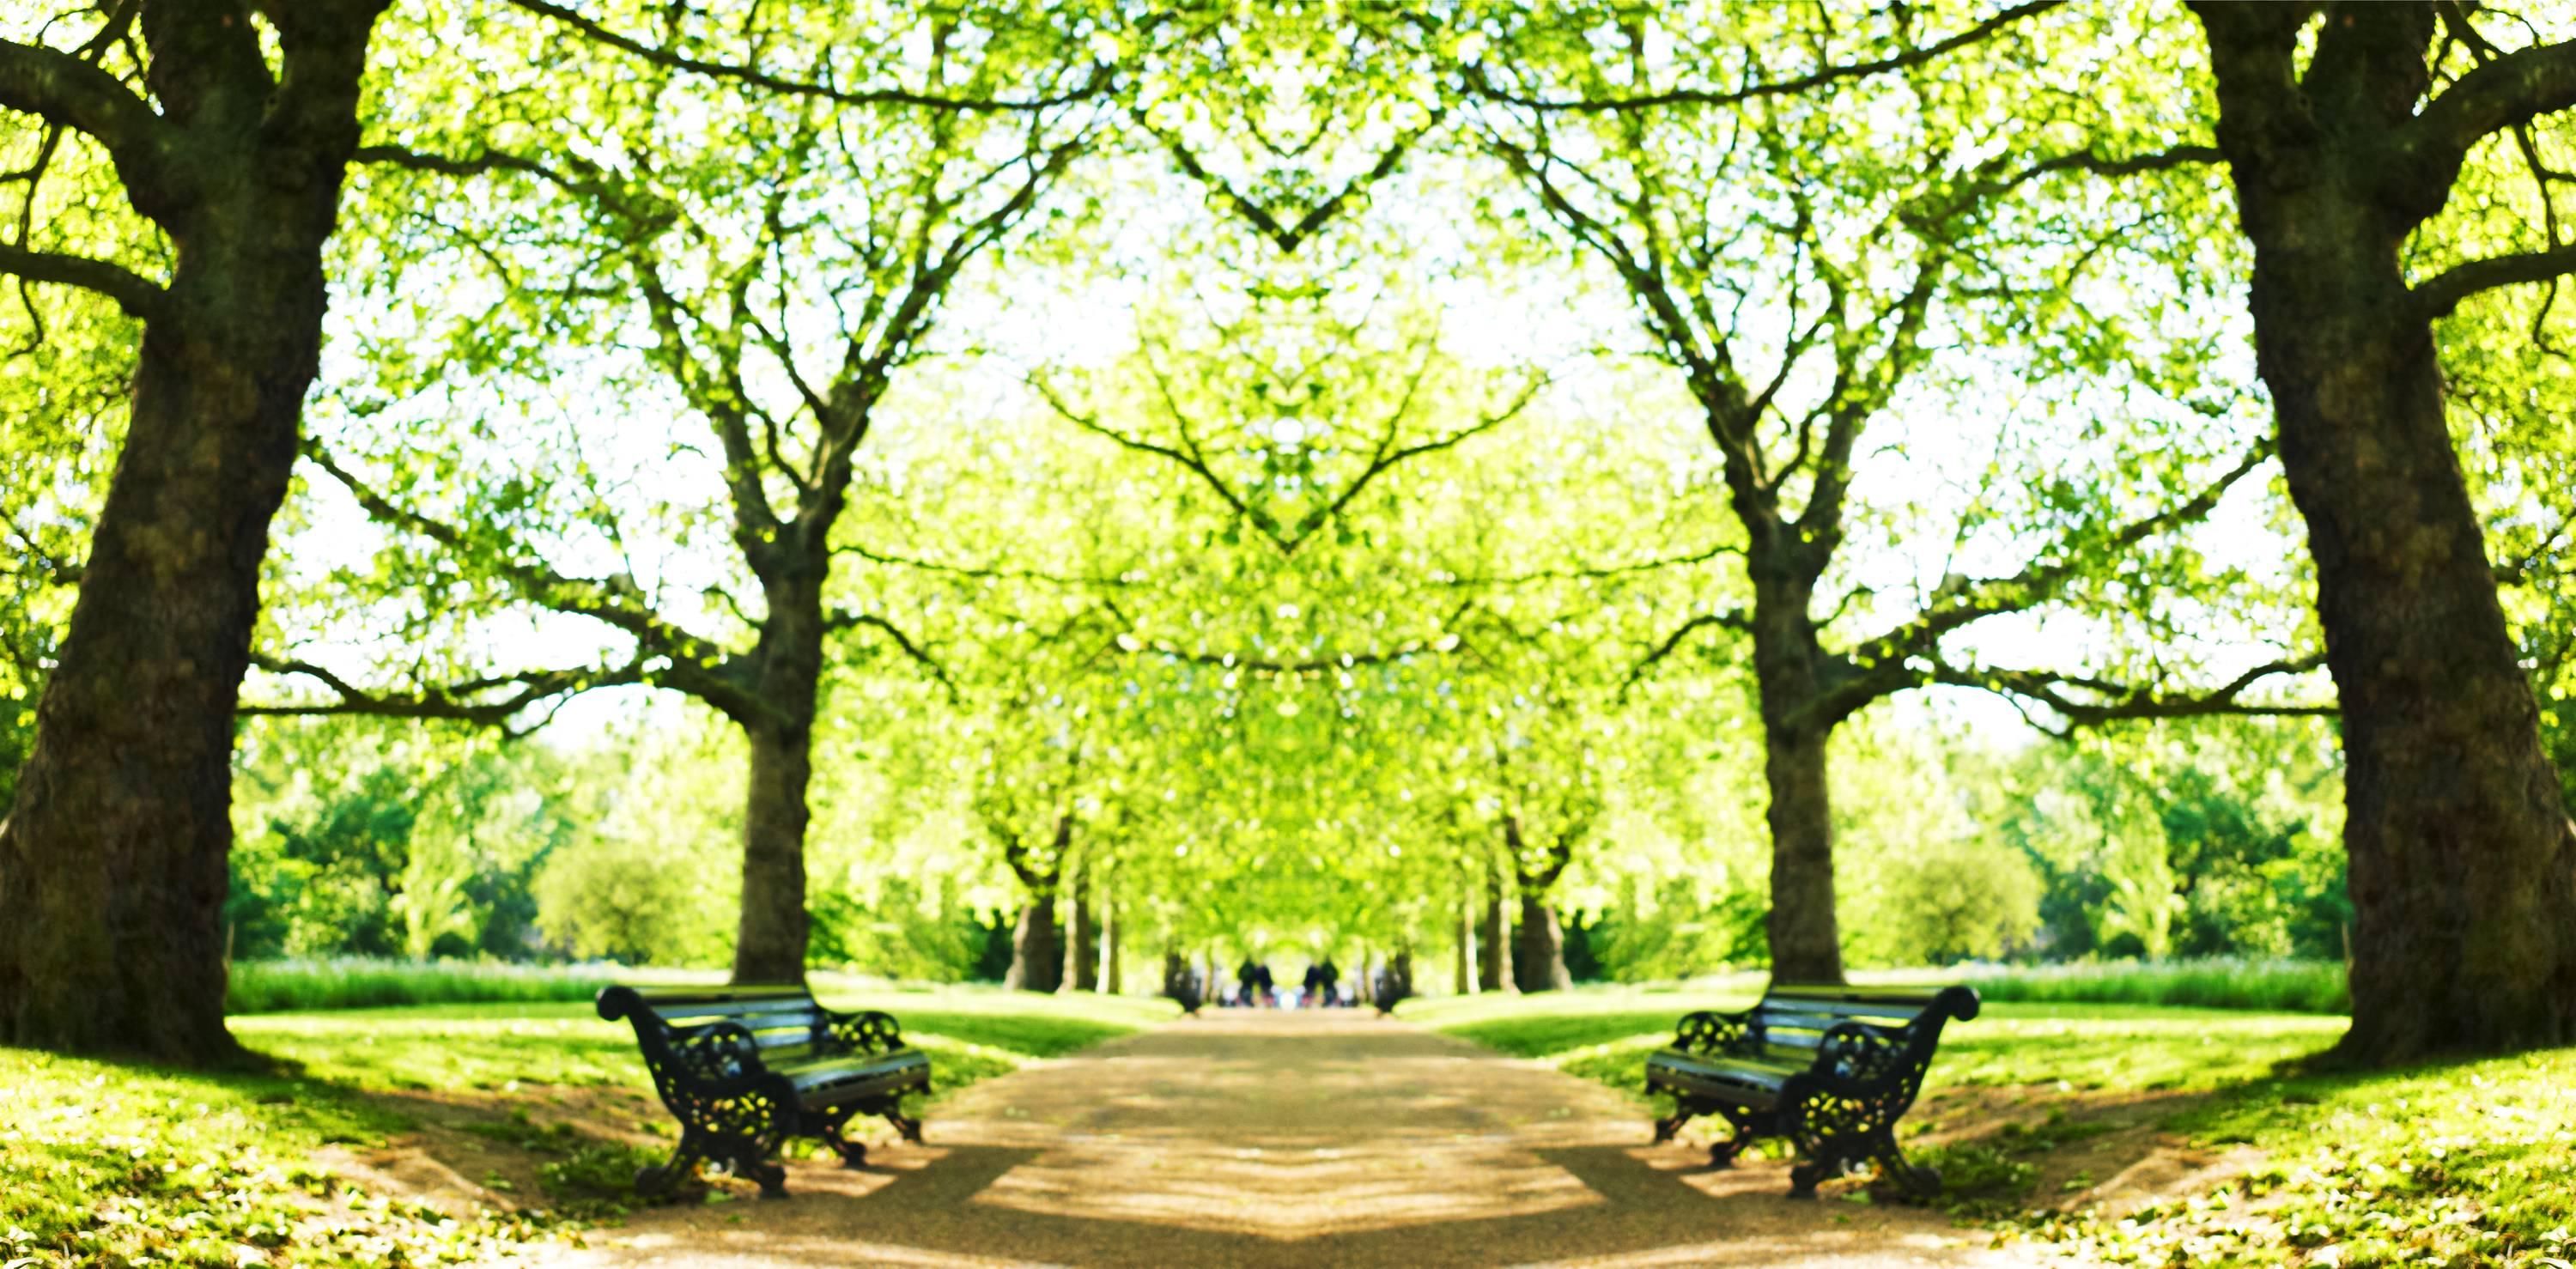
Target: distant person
1332, 981
1253, 978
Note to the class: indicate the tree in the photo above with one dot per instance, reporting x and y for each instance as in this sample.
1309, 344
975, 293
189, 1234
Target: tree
784, 261
1027, 798
1800, 269
2463, 859
228, 127
1958, 899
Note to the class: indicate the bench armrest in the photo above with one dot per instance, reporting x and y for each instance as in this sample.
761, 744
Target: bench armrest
866, 1031
1708, 1031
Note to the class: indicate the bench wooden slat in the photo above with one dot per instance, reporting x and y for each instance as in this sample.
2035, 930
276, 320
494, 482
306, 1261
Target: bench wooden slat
1880, 1007
747, 1014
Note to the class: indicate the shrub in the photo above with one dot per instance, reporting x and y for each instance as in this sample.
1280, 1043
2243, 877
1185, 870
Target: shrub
601, 898
2279, 985
1958, 900
357, 983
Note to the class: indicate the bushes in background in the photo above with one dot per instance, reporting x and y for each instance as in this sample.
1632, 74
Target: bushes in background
2280, 986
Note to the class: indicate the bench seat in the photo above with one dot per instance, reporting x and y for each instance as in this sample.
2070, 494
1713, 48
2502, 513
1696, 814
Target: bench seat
1829, 1068
745, 1068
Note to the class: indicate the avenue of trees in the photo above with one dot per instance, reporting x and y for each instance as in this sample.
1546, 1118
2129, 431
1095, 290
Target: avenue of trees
1051, 491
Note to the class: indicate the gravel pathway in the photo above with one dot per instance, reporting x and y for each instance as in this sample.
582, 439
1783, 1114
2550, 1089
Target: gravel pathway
1289, 1139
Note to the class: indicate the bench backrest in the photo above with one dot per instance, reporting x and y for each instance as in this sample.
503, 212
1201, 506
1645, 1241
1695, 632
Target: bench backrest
1790, 1011
1876, 1034
716, 1033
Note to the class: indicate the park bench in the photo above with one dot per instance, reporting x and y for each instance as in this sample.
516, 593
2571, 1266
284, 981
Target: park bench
1827, 1068
746, 1068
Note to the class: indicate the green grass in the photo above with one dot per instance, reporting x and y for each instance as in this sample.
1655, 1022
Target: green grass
106, 1163
2467, 1164
2273, 986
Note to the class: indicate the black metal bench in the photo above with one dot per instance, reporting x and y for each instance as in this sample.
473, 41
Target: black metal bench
746, 1068
1828, 1068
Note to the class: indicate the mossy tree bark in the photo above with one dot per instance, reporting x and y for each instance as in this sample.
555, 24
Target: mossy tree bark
774, 927
2463, 861
113, 859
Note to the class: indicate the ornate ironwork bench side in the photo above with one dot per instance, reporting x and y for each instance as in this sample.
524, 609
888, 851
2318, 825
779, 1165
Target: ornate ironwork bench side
745, 1068
1828, 1068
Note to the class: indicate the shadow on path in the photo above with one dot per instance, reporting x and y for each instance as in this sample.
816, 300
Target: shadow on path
1295, 1139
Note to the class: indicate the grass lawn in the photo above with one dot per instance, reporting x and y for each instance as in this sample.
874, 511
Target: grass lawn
106, 1163
2463, 1164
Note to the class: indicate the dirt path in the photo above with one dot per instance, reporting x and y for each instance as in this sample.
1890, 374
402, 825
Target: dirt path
1297, 1139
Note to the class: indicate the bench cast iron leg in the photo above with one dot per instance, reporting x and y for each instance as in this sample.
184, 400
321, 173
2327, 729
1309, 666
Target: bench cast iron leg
658, 1180
1892, 1164
854, 1154
1832, 1157
1803, 1179
1721, 1154
905, 1125
1669, 1125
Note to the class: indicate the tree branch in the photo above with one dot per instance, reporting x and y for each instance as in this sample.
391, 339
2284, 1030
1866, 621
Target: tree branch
66, 90
996, 572
699, 666
132, 292
1187, 459
1287, 237
2436, 296
1732, 619
2039, 582
2094, 164
2116, 702
1097, 81
851, 620
452, 702
2504, 93
1479, 84
1601, 571
1389, 458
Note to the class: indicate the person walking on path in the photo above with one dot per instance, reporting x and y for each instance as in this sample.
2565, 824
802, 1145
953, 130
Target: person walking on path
1253, 983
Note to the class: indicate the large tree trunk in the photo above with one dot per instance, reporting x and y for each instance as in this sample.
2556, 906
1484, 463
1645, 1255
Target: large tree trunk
1806, 939
1539, 949
113, 859
2463, 863
769, 945
1494, 939
1037, 949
